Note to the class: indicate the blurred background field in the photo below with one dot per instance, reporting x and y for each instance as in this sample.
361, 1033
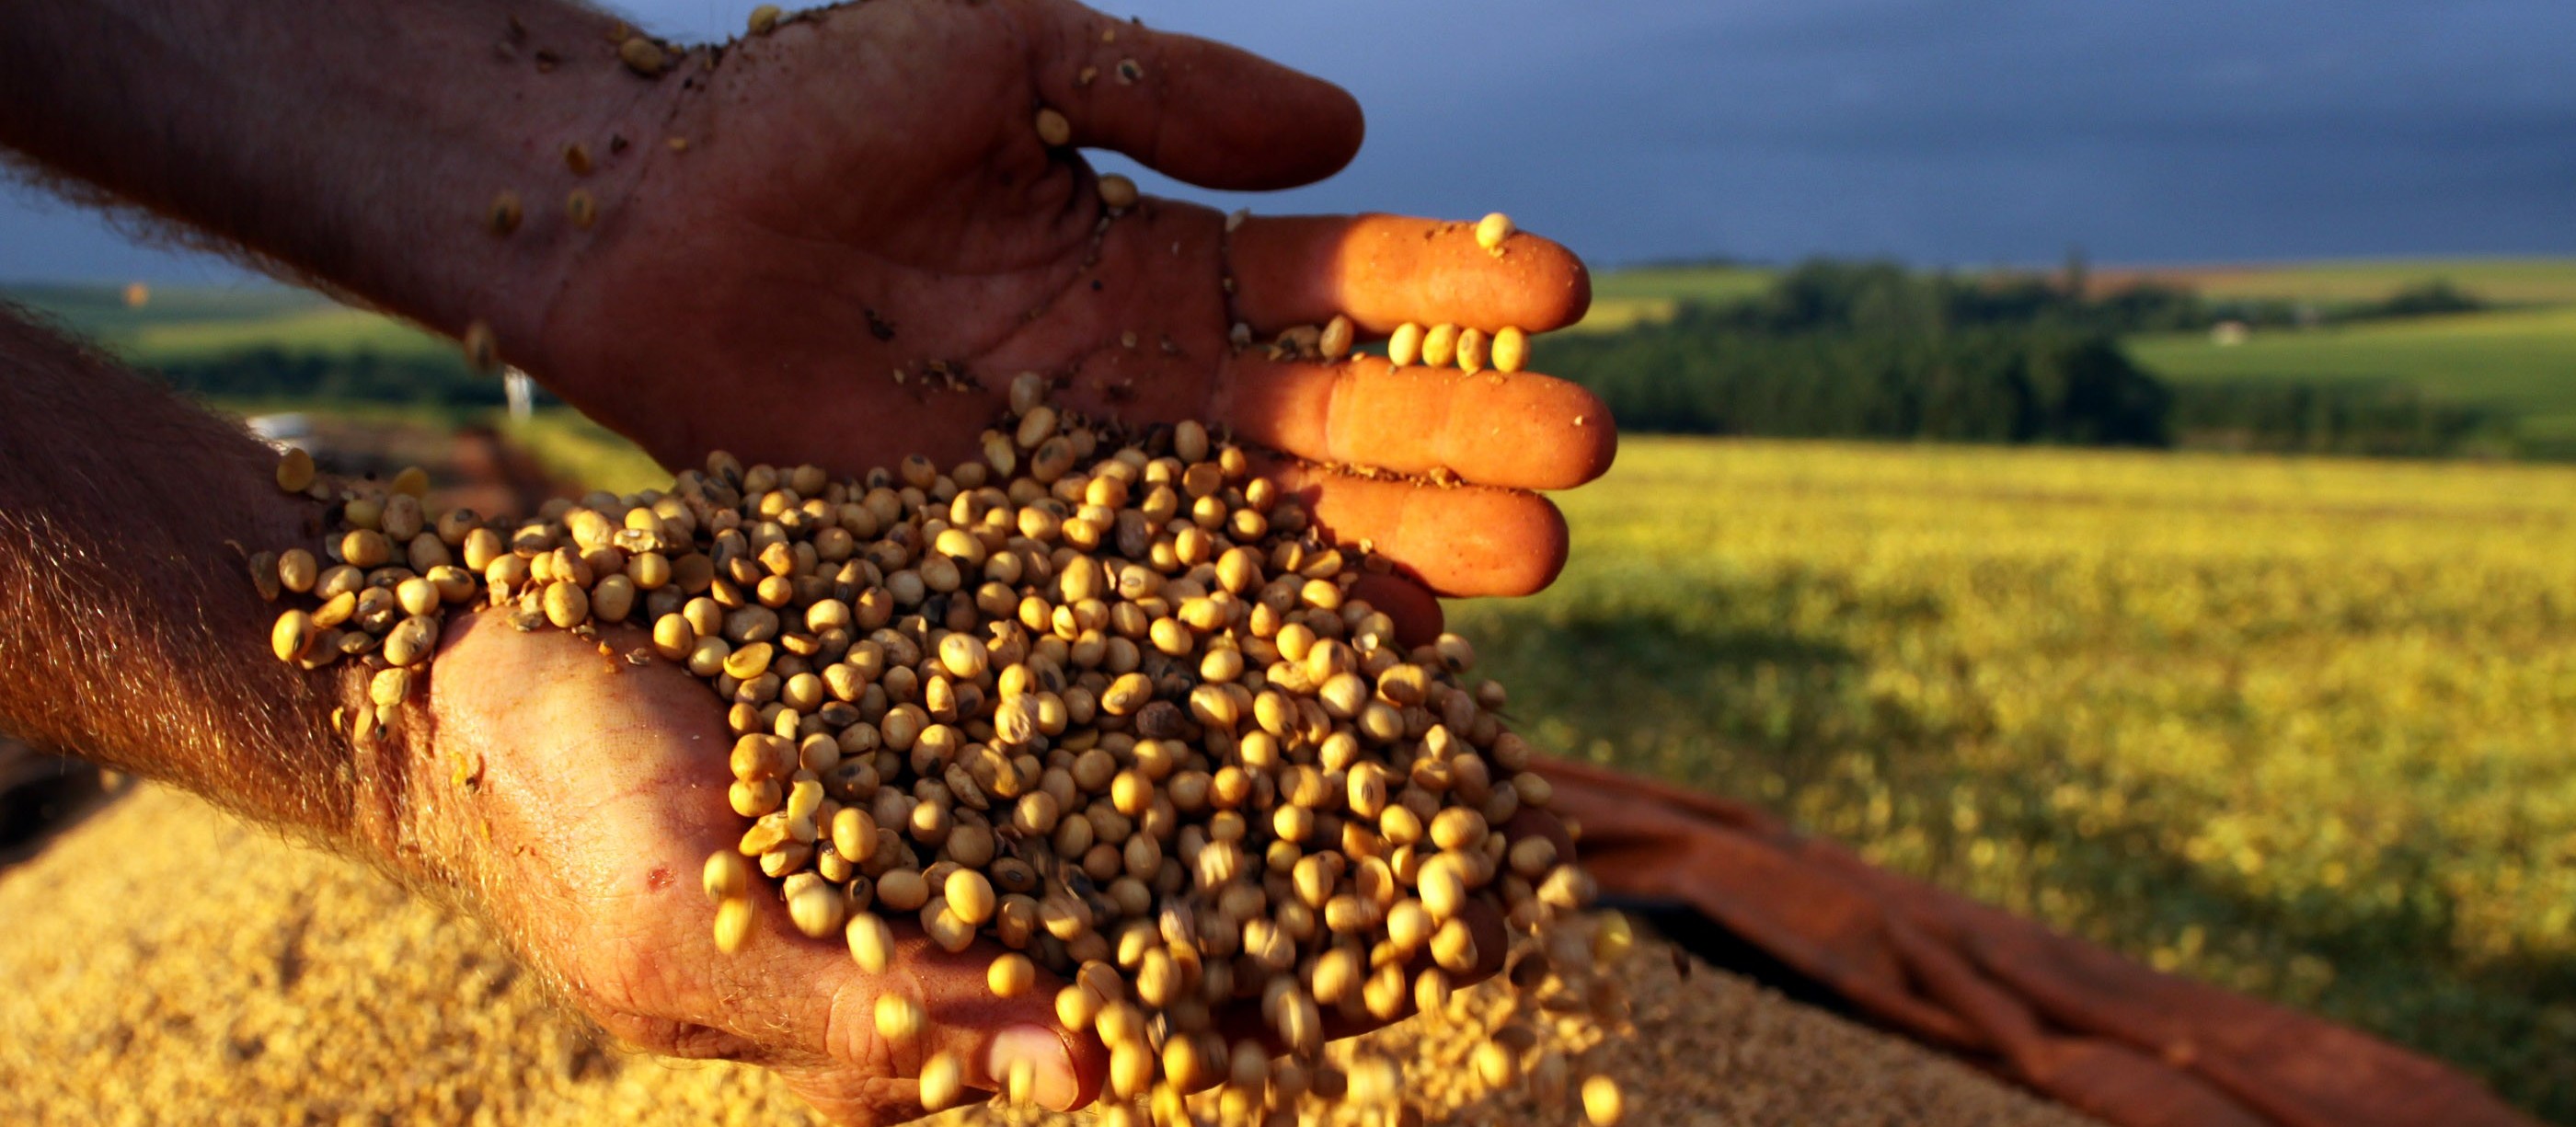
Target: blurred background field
2298, 725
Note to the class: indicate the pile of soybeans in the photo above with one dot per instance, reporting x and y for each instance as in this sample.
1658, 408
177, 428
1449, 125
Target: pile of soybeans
1101, 699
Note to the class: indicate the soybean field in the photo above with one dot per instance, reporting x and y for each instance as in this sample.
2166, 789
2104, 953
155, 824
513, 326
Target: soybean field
2297, 727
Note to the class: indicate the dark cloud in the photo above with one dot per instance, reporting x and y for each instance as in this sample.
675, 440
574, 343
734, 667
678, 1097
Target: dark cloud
1958, 132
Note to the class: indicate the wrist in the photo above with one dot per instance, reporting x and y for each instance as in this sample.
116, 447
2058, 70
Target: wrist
366, 751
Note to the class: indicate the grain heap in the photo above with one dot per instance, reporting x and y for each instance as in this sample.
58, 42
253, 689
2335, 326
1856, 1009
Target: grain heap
1101, 698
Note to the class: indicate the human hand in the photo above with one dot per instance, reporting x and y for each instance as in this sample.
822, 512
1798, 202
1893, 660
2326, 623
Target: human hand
572, 799
863, 193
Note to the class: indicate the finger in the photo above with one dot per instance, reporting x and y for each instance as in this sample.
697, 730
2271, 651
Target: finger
847, 1060
1191, 109
1463, 541
1385, 270
1516, 430
1416, 611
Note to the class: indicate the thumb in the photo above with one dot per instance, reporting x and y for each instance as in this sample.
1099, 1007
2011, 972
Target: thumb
1191, 109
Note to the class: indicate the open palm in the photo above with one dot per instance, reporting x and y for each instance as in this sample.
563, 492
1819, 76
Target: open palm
865, 237
574, 796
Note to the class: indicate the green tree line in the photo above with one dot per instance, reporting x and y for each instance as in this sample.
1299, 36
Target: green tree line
1872, 350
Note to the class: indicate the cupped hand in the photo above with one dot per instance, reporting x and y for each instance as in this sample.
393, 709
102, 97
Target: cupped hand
865, 237
573, 797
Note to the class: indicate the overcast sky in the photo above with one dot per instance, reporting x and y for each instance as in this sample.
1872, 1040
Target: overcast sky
1961, 133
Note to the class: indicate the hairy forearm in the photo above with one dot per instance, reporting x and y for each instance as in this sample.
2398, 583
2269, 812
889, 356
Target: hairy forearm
132, 633
361, 143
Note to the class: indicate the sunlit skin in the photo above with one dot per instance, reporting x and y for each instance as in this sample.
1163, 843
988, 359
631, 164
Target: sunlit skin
859, 241
866, 194
577, 796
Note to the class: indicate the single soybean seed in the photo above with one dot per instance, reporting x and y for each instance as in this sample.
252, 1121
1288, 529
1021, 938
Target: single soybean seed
1055, 130
1011, 975
727, 876
1118, 192
943, 1081
566, 604
389, 687
582, 208
1510, 349
1602, 1104
1492, 230
1454, 947
643, 56
899, 1018
297, 570
970, 895
764, 18
871, 942
1439, 346
816, 909
1471, 350
295, 472
1335, 343
293, 636
733, 924
1404, 345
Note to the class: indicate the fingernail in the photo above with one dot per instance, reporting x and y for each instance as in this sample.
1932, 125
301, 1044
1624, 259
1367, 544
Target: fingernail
1041, 1050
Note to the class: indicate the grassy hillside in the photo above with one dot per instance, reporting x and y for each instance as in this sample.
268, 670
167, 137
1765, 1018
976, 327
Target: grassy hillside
196, 323
2298, 727
2520, 360
1621, 298
2514, 281
2510, 281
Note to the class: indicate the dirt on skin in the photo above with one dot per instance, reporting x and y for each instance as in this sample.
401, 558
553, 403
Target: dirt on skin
171, 964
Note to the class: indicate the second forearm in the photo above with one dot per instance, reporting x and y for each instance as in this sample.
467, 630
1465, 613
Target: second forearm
132, 634
363, 144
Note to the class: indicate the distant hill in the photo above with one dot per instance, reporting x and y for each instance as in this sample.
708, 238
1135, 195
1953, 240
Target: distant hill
2509, 281
1622, 297
187, 324
2517, 360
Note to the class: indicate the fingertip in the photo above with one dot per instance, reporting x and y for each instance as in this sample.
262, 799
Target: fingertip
1509, 543
1385, 270
1558, 286
1194, 109
1464, 541
1593, 445
1516, 430
1057, 1081
1557, 431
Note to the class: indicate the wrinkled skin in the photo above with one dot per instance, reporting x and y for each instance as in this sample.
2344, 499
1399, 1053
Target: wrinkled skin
863, 193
